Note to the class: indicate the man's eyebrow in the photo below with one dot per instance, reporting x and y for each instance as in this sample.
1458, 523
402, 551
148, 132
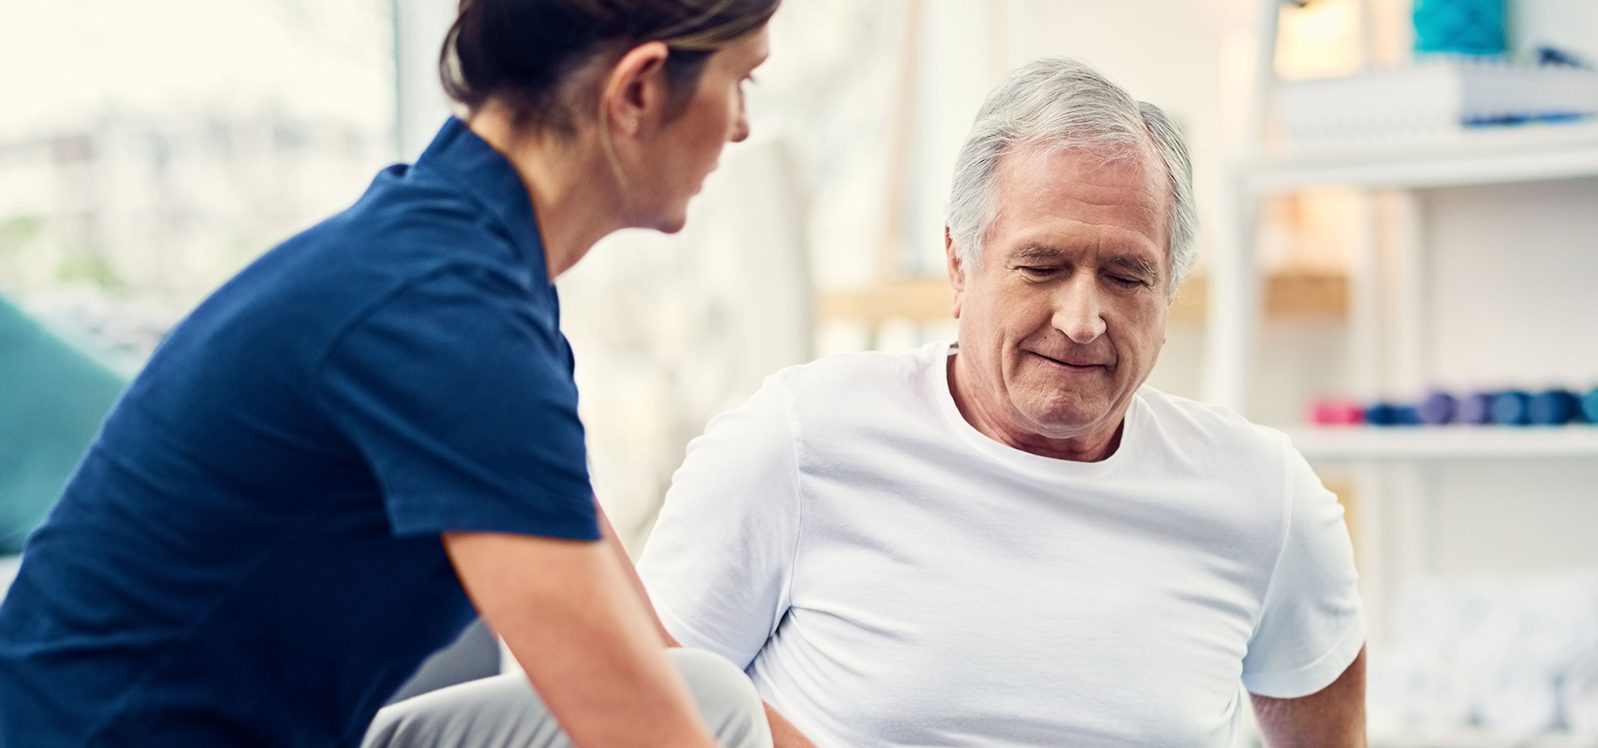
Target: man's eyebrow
1038, 252
1137, 264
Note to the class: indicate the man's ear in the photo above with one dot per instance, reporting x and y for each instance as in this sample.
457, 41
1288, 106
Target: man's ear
956, 270
636, 90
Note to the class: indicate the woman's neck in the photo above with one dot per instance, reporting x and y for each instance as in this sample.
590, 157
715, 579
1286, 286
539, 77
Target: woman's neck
573, 190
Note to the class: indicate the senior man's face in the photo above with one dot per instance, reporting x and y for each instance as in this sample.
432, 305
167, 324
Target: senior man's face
1064, 314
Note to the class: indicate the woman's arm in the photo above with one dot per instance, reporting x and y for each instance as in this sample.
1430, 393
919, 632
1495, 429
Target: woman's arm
582, 634
783, 733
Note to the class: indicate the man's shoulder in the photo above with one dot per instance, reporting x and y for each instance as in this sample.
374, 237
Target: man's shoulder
857, 374
842, 393
1193, 422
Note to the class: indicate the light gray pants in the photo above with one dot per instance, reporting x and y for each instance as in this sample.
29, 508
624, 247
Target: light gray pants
504, 712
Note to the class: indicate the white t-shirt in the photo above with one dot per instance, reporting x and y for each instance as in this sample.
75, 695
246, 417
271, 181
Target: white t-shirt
889, 576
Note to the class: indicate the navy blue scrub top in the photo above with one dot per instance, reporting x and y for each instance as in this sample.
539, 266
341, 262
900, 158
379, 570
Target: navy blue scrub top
249, 554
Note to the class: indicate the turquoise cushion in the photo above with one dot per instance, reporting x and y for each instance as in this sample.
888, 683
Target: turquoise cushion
1469, 27
52, 399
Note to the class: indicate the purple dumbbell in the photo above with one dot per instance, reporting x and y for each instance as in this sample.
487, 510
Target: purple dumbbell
1437, 409
1475, 408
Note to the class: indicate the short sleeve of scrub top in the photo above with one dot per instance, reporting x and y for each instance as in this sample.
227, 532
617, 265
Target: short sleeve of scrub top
460, 395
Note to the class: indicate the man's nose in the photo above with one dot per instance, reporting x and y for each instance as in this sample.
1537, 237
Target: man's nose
1078, 312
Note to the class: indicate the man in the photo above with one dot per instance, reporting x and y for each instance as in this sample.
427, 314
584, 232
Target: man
1010, 540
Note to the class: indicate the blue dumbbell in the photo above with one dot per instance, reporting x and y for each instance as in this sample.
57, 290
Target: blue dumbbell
1391, 414
1511, 408
1553, 408
1589, 406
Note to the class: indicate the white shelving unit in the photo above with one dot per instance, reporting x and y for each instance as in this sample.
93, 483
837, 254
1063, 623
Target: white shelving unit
1472, 158
1391, 469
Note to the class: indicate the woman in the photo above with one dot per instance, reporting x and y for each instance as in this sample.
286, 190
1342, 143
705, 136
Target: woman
373, 428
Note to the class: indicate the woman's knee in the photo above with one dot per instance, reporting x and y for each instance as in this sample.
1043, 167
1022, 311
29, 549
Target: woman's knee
499, 710
725, 697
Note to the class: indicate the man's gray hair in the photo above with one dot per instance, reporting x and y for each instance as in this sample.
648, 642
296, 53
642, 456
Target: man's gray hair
1062, 103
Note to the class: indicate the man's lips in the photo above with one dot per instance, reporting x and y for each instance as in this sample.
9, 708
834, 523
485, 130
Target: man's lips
1072, 361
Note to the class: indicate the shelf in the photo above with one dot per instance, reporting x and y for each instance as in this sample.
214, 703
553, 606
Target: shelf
1288, 295
1478, 739
918, 300
1442, 443
1470, 157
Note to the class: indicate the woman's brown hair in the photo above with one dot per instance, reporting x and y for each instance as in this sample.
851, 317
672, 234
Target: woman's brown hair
520, 52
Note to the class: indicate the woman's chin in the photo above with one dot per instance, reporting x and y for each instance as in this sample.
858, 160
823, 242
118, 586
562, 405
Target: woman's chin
672, 224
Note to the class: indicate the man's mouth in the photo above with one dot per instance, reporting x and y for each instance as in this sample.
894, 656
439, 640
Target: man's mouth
1073, 362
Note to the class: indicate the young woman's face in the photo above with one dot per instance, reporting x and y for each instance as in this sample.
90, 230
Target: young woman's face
688, 147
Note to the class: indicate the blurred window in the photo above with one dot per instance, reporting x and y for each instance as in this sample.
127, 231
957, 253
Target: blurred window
150, 150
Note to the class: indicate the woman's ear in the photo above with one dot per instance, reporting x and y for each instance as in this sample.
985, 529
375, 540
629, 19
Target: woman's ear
636, 89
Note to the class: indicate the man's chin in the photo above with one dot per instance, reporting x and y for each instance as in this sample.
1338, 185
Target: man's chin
1069, 416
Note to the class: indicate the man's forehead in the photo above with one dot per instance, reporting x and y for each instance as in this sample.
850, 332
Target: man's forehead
1062, 198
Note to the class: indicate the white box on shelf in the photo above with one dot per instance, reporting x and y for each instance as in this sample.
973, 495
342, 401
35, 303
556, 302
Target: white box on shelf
1431, 97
